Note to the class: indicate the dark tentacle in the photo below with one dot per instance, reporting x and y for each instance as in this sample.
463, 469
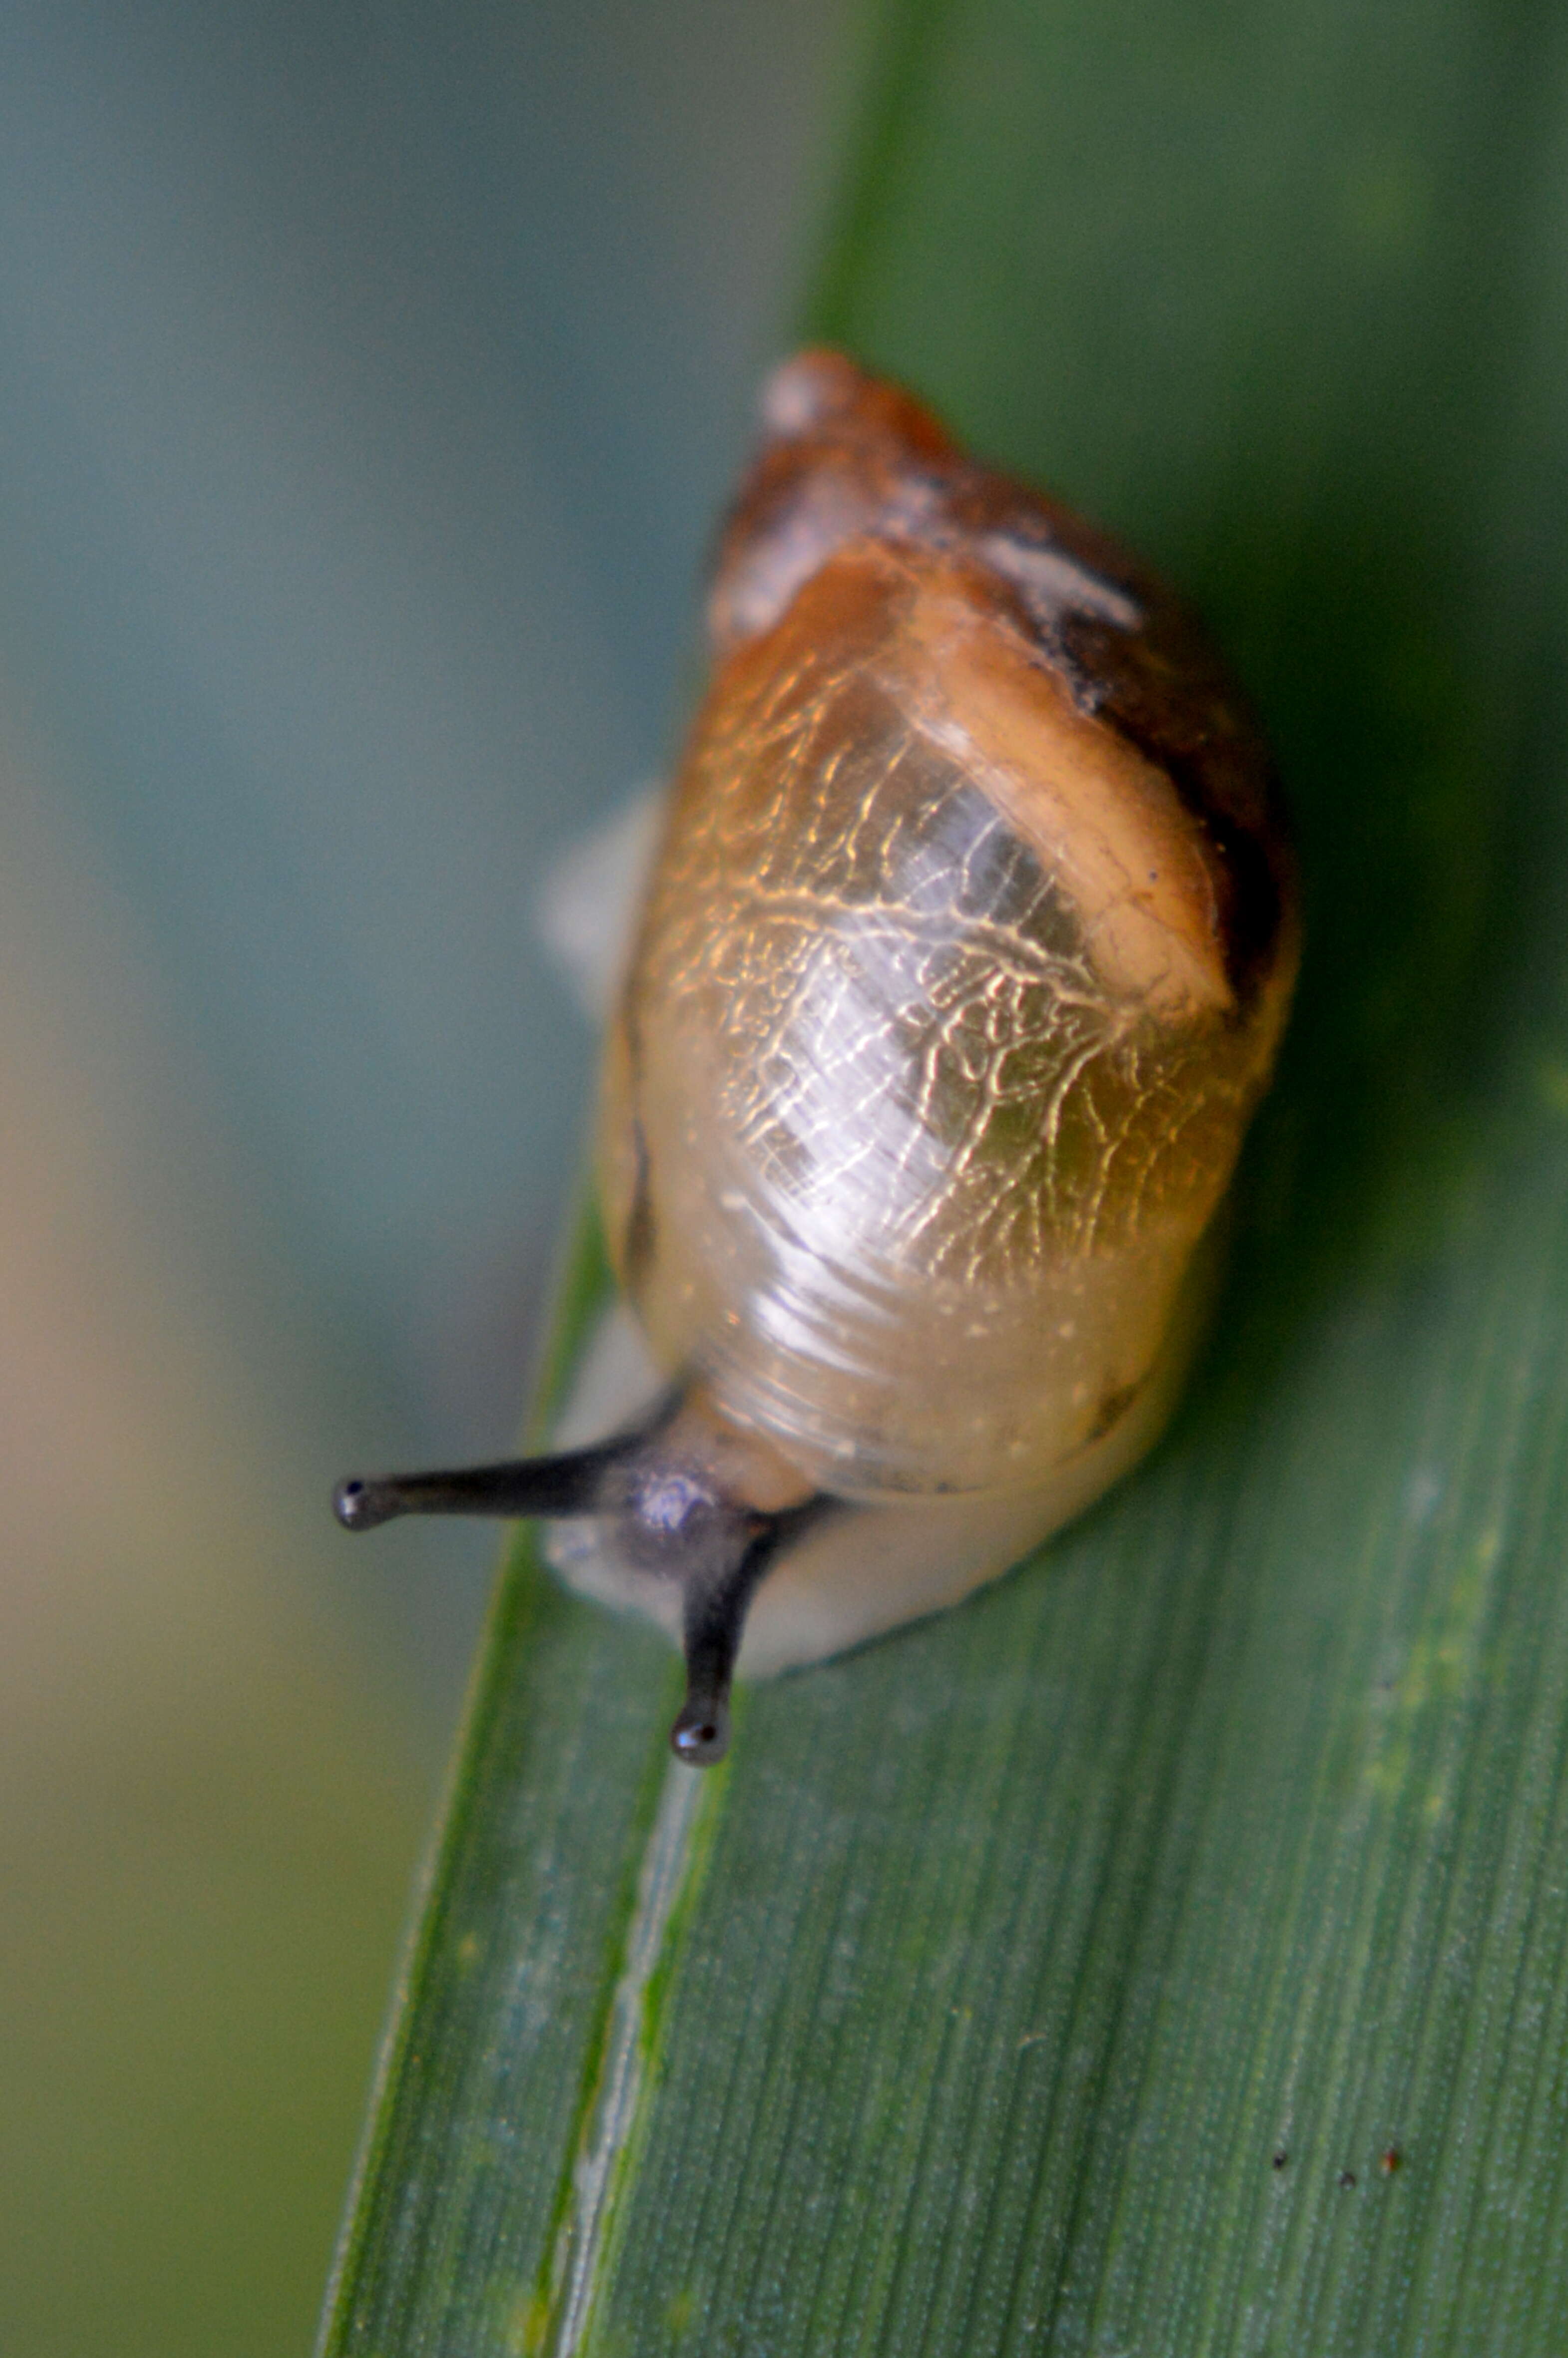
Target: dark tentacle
674, 1519
713, 1623
573, 1483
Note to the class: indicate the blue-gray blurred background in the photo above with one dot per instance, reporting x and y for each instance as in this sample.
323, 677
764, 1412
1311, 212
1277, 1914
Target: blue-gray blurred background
369, 379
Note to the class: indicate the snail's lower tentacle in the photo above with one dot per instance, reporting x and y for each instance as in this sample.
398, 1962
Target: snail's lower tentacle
713, 1621
718, 1596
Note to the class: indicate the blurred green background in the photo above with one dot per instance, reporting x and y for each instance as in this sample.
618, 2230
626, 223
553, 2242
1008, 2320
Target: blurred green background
369, 379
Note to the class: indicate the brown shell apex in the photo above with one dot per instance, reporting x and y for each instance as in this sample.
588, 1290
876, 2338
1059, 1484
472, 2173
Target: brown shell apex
845, 458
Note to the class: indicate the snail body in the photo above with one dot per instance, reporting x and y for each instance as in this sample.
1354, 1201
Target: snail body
963, 964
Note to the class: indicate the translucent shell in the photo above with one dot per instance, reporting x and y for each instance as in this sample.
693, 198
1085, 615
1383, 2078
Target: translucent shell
963, 965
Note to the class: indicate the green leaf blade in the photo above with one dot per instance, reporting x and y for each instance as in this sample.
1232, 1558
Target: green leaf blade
1039, 1979
494, 2052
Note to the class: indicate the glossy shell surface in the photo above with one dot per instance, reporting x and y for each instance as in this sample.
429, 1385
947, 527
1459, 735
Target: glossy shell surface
963, 965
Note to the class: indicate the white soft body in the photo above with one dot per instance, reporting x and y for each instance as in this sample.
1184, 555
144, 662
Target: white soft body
863, 1571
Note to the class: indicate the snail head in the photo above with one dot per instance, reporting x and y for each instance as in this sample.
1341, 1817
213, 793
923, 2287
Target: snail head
695, 1504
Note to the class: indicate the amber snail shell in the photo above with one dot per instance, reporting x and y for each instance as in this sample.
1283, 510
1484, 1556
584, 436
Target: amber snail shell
963, 964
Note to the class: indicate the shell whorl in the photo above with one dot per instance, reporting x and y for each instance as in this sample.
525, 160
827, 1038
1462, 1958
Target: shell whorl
962, 965
962, 968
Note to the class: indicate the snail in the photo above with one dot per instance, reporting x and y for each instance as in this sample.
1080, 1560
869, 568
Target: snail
963, 964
